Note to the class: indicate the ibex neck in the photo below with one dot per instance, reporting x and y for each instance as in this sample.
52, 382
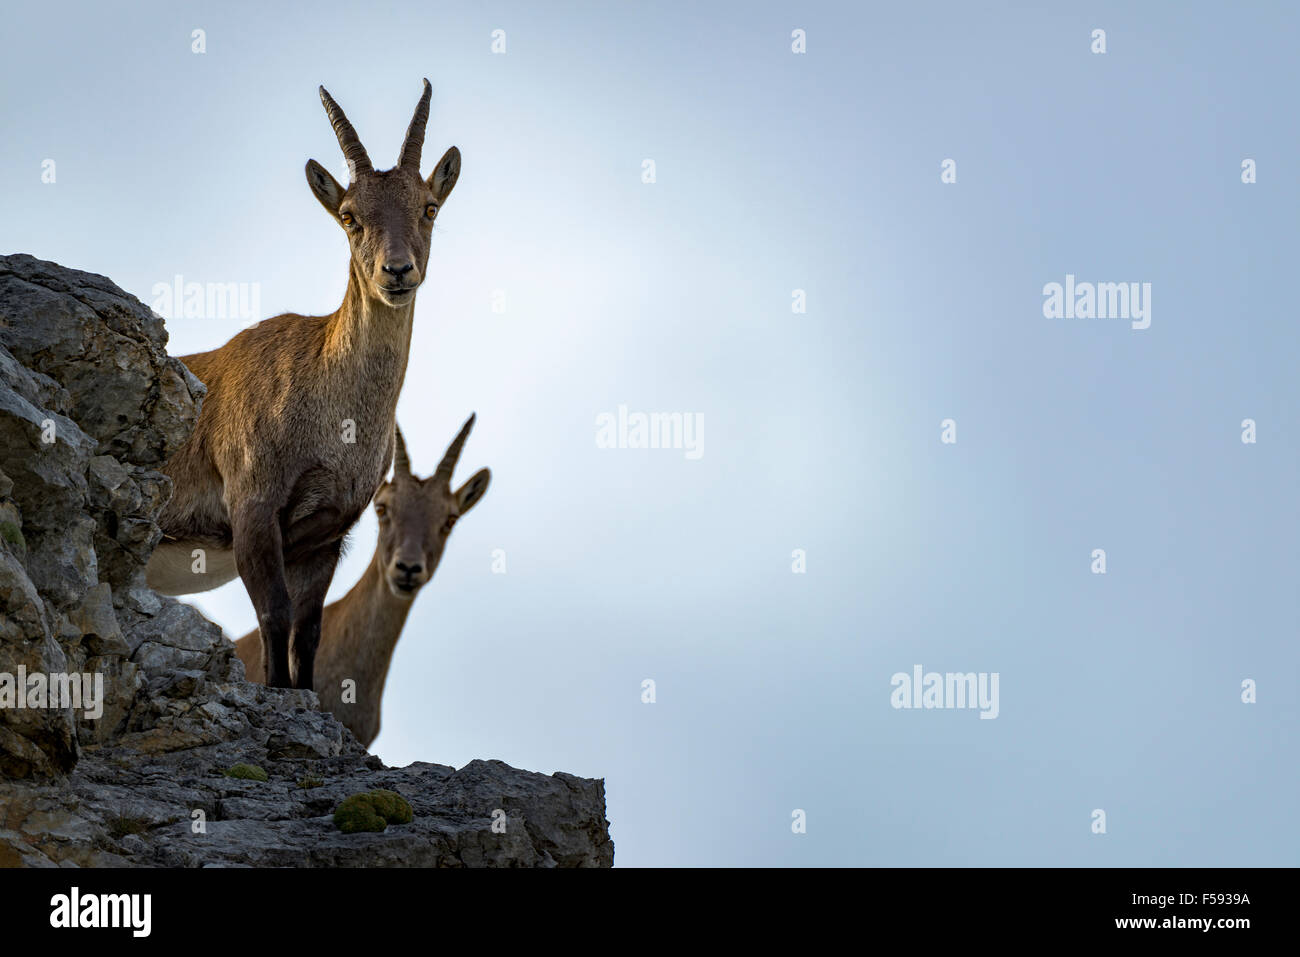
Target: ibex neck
384, 613
365, 325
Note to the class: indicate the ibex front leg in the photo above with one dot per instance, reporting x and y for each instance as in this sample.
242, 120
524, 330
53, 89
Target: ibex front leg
309, 580
259, 554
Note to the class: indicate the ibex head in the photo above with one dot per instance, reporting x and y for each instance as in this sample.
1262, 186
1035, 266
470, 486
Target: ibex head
416, 515
388, 216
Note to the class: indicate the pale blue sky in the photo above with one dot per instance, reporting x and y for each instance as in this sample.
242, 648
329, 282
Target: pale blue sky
778, 171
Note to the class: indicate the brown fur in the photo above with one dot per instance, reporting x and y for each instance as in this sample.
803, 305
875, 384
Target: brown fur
360, 630
296, 433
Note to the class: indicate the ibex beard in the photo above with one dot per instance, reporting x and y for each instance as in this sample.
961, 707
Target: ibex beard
296, 432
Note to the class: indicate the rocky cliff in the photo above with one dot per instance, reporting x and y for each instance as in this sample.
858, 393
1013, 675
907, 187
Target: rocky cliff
90, 407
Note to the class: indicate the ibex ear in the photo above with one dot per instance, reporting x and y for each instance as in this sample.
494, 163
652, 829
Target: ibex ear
444, 175
467, 495
325, 187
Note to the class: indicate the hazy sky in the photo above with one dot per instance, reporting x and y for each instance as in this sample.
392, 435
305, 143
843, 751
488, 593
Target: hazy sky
774, 172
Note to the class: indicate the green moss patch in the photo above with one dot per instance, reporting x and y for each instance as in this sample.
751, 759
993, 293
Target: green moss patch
248, 772
372, 811
12, 534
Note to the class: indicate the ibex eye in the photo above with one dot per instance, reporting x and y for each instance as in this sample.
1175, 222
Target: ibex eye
381, 510
347, 219
430, 211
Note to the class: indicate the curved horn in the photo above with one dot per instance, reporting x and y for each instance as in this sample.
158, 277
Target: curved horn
401, 461
414, 141
448, 463
353, 151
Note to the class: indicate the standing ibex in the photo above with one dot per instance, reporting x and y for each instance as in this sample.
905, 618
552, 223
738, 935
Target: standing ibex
296, 432
360, 630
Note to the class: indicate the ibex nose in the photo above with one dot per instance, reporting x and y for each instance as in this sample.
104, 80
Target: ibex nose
409, 570
398, 270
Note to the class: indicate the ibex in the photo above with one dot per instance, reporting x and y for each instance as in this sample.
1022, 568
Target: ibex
360, 630
296, 432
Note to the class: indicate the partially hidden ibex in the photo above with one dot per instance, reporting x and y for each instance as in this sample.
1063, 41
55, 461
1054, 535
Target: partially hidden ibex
360, 630
296, 432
